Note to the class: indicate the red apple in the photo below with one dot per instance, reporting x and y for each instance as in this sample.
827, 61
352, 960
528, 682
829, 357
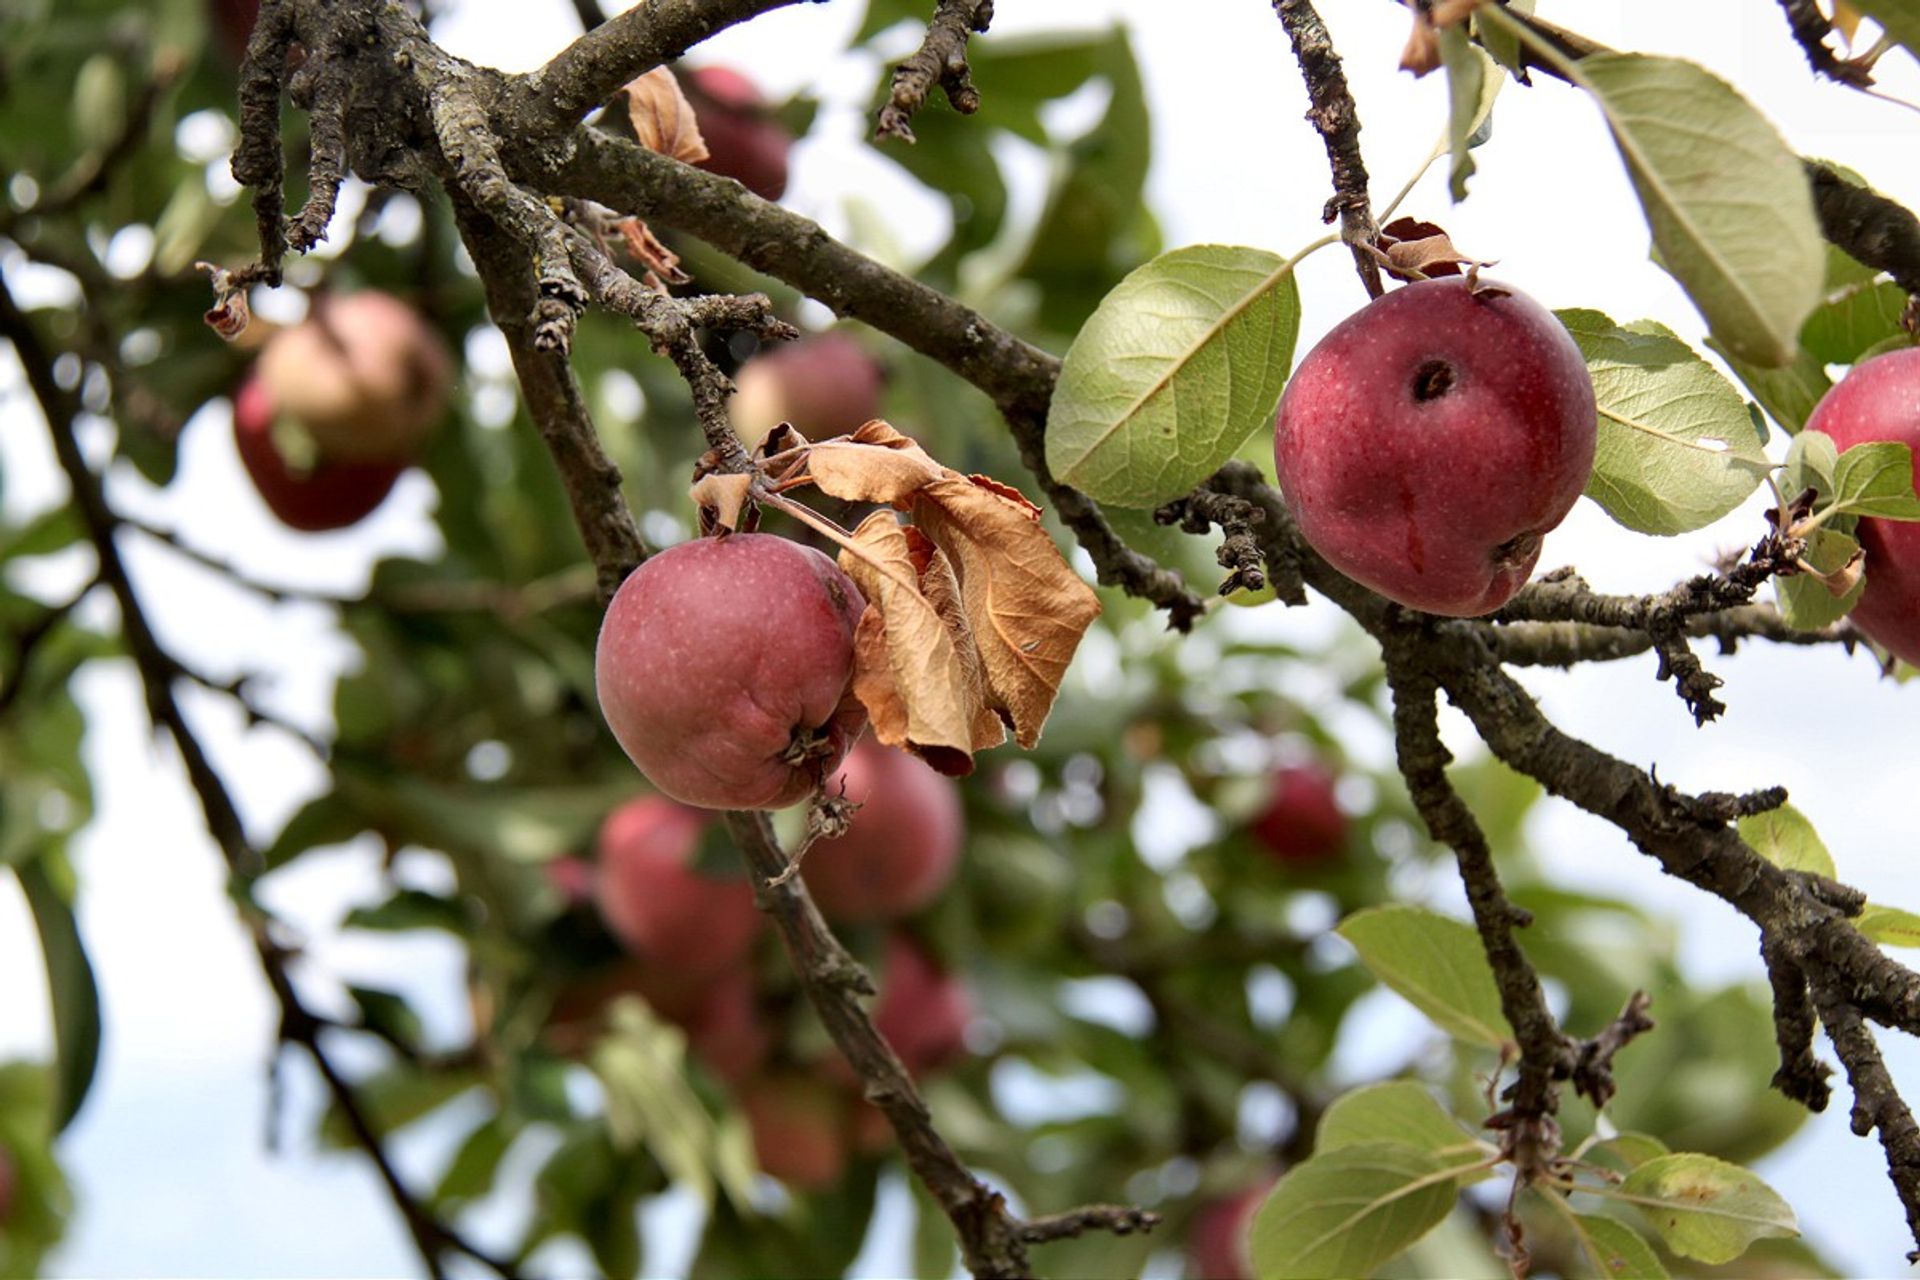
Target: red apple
922, 1010
825, 385
1302, 822
744, 141
1880, 400
726, 1030
724, 668
903, 845
233, 20
329, 495
1432, 439
364, 374
799, 1126
1218, 1247
571, 878
690, 925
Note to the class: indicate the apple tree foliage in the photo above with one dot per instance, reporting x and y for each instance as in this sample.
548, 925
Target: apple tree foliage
1195, 997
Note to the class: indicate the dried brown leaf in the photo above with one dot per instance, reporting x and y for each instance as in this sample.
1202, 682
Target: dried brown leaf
1027, 607
663, 119
1416, 250
916, 669
721, 497
874, 464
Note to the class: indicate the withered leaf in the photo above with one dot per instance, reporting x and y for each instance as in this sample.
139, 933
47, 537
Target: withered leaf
724, 495
663, 119
1027, 607
874, 464
1417, 249
916, 668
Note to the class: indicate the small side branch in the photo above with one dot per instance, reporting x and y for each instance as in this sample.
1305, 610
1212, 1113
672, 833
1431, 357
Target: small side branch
941, 59
1547, 1055
1810, 31
1877, 1104
993, 1242
1801, 1075
1240, 553
557, 405
1332, 113
543, 105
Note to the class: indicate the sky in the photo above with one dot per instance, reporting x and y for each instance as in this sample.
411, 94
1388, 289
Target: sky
170, 1155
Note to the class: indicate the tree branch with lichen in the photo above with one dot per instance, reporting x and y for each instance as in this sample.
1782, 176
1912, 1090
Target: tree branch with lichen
940, 60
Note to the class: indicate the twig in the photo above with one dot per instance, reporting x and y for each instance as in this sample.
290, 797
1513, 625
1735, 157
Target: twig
590, 13
28, 638
1567, 644
558, 407
1810, 31
1593, 1064
1332, 113
1239, 554
1881, 233
1801, 1076
992, 1241
1564, 597
542, 106
278, 593
1547, 1055
941, 59
158, 670
1877, 1105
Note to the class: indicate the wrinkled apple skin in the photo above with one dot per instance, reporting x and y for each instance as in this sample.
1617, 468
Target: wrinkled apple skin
903, 845
798, 1125
331, 496
1302, 822
744, 141
715, 653
1431, 440
825, 385
654, 899
1880, 400
364, 374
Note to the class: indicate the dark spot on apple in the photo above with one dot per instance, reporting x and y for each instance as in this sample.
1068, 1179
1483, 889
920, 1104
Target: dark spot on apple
1432, 380
1517, 549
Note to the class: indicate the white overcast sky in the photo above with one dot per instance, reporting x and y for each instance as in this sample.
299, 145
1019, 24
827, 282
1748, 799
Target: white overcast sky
169, 1157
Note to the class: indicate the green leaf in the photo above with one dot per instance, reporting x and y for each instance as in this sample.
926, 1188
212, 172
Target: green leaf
470, 1174
641, 1064
76, 998
1785, 838
1616, 1250
1877, 480
1394, 1111
1628, 1151
1706, 1209
1853, 321
1500, 43
1675, 448
1788, 393
1179, 364
1727, 201
1805, 602
1344, 1213
1473, 80
322, 821
1812, 459
1436, 964
1889, 926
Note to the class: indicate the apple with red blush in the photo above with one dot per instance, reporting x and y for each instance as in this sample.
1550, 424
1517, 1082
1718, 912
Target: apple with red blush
1431, 441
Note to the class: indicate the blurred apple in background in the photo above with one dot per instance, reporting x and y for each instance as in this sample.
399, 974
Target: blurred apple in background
1302, 822
364, 374
655, 899
744, 140
1218, 1247
799, 1128
903, 845
825, 385
316, 498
